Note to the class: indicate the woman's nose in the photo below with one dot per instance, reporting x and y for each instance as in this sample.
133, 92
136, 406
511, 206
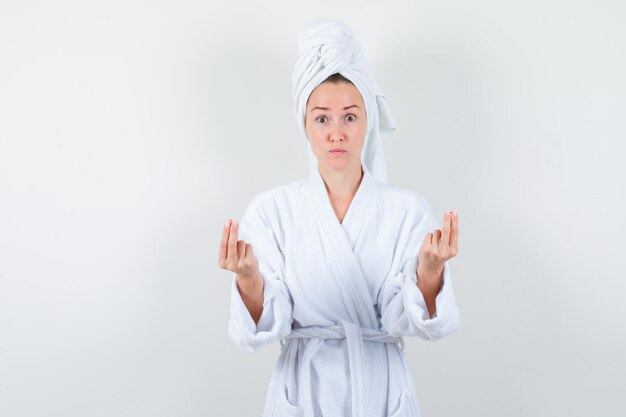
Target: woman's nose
336, 133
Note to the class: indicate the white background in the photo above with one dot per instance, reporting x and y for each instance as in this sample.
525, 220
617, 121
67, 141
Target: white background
131, 131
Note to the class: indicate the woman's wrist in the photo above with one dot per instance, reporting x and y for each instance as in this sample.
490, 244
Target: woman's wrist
429, 278
254, 277
250, 284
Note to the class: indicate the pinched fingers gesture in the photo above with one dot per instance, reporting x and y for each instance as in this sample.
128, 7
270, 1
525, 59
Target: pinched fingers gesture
440, 245
236, 255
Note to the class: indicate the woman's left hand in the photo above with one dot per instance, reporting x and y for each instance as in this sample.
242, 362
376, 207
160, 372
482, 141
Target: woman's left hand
438, 246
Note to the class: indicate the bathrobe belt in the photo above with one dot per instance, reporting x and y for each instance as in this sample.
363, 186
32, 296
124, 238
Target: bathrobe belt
354, 335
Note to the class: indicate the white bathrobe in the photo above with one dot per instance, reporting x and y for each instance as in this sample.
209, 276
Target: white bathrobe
339, 297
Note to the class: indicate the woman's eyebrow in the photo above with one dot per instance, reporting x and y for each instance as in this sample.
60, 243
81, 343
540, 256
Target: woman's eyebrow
326, 108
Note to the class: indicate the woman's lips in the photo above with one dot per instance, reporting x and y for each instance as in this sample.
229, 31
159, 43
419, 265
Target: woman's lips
337, 151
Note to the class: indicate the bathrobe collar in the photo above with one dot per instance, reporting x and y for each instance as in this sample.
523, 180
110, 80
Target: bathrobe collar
358, 209
342, 237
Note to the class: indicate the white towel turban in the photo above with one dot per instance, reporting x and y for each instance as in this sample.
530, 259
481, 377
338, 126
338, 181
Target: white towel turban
328, 47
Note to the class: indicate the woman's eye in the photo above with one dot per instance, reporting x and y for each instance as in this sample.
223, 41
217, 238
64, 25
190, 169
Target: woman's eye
321, 117
353, 117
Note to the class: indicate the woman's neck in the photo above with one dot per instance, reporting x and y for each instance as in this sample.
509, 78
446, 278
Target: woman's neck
342, 185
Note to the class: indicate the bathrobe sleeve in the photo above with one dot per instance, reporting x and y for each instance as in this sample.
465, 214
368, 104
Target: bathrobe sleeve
401, 303
255, 227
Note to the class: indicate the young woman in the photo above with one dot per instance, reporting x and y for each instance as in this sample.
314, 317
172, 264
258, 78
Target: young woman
339, 266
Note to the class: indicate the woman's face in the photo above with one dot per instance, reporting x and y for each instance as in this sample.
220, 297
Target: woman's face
335, 118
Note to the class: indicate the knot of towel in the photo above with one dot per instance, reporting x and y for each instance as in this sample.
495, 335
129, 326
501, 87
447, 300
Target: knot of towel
333, 43
328, 47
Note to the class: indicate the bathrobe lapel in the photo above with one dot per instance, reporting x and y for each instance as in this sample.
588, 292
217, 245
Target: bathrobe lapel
342, 238
369, 384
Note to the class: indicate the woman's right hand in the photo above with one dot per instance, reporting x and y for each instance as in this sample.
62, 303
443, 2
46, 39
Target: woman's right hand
237, 255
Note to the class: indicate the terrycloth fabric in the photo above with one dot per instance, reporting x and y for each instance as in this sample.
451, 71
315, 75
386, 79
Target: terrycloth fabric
328, 47
340, 297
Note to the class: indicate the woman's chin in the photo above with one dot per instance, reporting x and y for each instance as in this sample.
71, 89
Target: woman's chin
337, 163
